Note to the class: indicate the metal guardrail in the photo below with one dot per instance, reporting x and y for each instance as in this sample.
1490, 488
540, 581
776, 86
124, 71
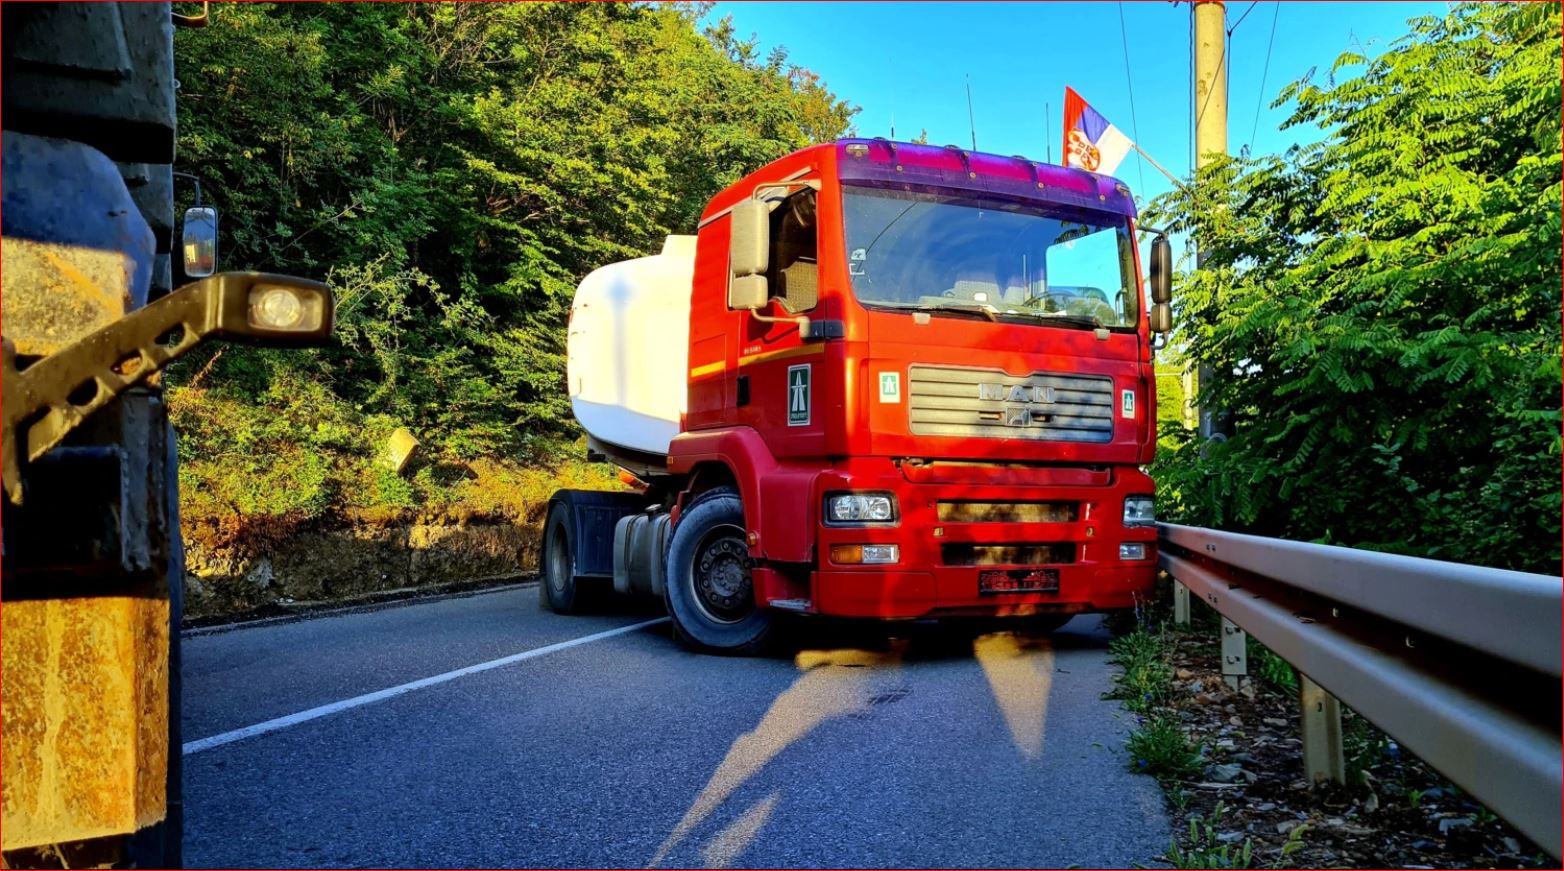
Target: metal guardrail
1460, 664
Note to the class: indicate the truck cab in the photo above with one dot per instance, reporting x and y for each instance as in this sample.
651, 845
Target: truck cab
917, 384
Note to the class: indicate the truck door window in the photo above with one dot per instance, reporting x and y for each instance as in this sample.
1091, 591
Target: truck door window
794, 273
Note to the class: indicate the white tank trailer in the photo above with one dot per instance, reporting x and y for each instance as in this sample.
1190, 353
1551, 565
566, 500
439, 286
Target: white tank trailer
627, 365
628, 356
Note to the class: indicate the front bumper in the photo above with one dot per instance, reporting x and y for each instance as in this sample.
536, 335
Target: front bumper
930, 581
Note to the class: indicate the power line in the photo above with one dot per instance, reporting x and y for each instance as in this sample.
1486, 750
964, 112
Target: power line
1130, 84
1242, 17
1263, 73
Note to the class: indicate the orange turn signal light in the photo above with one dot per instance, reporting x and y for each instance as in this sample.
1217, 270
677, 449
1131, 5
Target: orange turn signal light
865, 554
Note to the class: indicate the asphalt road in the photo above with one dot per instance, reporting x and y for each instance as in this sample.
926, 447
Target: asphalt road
856, 748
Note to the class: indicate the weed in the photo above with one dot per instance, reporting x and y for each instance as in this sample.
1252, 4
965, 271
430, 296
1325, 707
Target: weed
1414, 798
1272, 669
1293, 845
1363, 745
1147, 680
1160, 748
1204, 850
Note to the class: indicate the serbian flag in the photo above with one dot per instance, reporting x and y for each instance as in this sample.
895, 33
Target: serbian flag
1090, 142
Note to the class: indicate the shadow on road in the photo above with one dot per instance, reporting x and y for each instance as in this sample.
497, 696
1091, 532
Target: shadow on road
931, 640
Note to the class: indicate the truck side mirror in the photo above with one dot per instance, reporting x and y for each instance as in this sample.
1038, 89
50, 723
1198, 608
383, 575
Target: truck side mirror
200, 241
1161, 270
1161, 318
747, 292
749, 240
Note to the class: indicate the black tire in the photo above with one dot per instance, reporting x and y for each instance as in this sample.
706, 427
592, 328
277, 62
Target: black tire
709, 590
557, 586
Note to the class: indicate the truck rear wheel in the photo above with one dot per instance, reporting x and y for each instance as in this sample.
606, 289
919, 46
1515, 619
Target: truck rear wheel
709, 590
557, 587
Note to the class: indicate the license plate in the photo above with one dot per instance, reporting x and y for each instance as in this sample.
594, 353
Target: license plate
1018, 581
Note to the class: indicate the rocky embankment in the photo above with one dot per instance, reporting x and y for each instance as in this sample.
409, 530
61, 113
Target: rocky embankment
269, 564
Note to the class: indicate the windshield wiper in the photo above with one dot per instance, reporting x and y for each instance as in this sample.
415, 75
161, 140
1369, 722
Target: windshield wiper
989, 312
958, 306
1083, 320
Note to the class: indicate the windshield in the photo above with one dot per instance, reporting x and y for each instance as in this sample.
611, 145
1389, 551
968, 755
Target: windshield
995, 258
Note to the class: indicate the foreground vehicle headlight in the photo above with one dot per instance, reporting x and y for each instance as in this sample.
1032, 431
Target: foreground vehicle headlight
846, 509
865, 554
286, 309
1139, 511
1132, 551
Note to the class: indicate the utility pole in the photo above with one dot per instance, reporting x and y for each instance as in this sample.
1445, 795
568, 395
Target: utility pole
1210, 108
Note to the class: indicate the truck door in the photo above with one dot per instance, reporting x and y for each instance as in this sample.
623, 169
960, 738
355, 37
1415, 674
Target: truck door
779, 389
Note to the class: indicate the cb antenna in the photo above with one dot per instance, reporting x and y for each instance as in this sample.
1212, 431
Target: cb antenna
1048, 129
971, 124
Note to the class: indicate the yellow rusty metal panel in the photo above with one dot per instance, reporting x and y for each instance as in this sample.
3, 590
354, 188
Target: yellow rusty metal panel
55, 294
84, 706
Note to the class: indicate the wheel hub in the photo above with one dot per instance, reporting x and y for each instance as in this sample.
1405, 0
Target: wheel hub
722, 579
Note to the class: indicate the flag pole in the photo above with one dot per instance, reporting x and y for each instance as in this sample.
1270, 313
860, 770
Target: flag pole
1048, 129
1153, 161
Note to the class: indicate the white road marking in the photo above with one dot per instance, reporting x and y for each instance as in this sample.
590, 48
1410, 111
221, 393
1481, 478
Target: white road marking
327, 710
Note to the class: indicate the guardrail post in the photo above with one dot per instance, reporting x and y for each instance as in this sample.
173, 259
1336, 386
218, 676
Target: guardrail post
1180, 603
1235, 655
1321, 720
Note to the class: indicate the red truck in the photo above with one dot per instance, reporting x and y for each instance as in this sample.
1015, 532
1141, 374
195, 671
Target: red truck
883, 380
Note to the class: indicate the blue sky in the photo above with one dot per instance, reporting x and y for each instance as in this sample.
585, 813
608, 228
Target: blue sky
909, 61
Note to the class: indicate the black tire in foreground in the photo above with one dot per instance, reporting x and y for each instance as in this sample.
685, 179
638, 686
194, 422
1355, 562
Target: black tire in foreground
710, 591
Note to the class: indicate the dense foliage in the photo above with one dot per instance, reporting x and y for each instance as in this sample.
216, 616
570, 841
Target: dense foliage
1388, 301
452, 170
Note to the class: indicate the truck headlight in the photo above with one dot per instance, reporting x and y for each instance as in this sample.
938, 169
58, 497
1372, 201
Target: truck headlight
851, 509
1139, 511
1131, 552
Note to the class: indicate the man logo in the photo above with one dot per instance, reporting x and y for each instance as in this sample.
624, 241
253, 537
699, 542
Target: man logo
1016, 393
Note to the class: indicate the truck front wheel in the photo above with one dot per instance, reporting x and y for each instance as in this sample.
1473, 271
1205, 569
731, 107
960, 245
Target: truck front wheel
710, 590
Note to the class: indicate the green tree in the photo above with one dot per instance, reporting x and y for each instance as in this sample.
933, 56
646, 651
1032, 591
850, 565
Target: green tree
1387, 303
453, 170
